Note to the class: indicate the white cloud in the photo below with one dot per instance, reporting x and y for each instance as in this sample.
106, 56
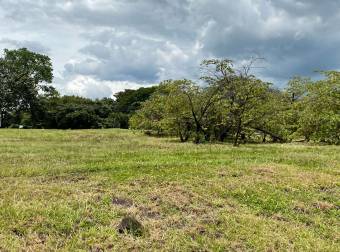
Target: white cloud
92, 87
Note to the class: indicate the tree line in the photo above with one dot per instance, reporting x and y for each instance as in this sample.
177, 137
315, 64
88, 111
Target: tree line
28, 100
229, 104
234, 105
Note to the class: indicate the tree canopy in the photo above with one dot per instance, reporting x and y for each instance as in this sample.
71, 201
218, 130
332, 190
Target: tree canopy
22, 74
236, 106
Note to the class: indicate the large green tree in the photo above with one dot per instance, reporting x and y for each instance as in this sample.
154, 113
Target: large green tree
227, 105
167, 111
239, 93
318, 110
22, 74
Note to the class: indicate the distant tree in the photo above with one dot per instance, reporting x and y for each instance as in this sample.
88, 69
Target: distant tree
167, 111
269, 117
71, 112
201, 101
240, 94
79, 118
116, 120
297, 87
151, 115
22, 74
128, 101
319, 110
178, 116
227, 106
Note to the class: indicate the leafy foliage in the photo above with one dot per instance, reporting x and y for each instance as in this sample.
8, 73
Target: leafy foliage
22, 75
234, 105
318, 111
128, 101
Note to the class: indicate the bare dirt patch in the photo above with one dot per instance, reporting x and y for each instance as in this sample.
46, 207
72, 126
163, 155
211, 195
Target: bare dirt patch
301, 208
122, 202
264, 171
323, 205
150, 212
61, 179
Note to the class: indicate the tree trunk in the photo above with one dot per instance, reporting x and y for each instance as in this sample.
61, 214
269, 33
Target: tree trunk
207, 136
222, 136
186, 137
197, 133
237, 133
197, 138
1, 117
181, 137
236, 138
183, 134
274, 136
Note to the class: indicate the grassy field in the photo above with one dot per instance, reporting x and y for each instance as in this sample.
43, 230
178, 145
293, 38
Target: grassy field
68, 190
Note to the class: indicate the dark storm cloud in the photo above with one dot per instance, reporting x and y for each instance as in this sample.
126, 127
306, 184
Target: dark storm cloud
145, 41
132, 57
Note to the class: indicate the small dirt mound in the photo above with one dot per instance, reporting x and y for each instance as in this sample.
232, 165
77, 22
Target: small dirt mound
149, 212
323, 205
264, 170
131, 226
122, 202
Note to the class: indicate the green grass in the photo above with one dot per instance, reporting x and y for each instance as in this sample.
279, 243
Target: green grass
57, 191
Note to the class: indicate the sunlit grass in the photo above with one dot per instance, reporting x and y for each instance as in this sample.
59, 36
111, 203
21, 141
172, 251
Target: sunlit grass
57, 191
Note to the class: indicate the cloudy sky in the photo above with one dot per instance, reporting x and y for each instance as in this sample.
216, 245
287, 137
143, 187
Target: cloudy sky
102, 46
